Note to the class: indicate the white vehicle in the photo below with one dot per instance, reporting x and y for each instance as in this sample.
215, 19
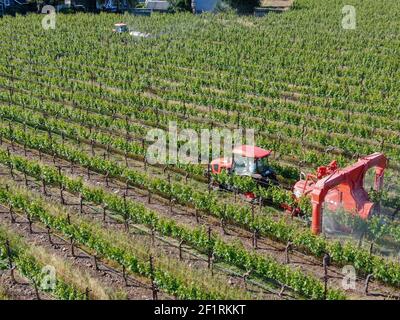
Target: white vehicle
120, 28
139, 34
123, 27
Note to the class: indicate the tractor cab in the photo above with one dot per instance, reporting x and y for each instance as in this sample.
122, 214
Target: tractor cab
246, 161
120, 28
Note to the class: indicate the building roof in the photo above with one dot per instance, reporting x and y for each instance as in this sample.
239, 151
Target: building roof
251, 152
157, 5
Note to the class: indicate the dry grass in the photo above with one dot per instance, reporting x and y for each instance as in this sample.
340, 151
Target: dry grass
65, 271
73, 275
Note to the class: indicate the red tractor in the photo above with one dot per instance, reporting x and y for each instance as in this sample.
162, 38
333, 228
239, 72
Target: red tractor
341, 188
247, 161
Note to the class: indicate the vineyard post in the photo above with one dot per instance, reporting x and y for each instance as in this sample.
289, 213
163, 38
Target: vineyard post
326, 260
107, 174
104, 212
209, 177
12, 135
10, 264
253, 219
36, 289
87, 293
143, 146
255, 238
209, 173
169, 187
282, 290
95, 262
12, 218
81, 203
212, 264
153, 236
10, 89
184, 110
92, 78
124, 275
149, 196
29, 222
108, 151
288, 249
371, 248
196, 213
49, 234
127, 127
367, 281
44, 190
12, 171
171, 205
180, 250
126, 217
63, 138
153, 284
209, 248
126, 159
92, 147
72, 246
25, 149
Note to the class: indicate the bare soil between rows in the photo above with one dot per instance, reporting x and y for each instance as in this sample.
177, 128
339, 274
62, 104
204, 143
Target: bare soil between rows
92, 212
185, 215
107, 276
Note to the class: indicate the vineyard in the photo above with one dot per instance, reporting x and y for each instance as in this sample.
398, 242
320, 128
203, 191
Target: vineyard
84, 215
